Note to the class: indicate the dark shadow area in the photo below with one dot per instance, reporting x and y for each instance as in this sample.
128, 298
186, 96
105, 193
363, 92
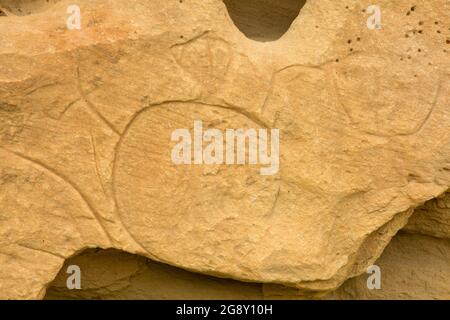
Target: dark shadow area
264, 20
113, 274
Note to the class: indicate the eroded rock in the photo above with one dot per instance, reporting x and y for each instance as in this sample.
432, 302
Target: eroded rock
86, 117
432, 219
412, 267
111, 274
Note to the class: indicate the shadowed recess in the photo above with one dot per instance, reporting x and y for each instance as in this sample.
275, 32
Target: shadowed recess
113, 274
264, 20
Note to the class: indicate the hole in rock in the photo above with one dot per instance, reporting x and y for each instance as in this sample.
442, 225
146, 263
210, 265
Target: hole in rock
264, 20
114, 274
26, 7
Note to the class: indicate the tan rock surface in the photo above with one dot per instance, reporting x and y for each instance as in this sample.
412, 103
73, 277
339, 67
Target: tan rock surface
86, 117
26, 7
415, 264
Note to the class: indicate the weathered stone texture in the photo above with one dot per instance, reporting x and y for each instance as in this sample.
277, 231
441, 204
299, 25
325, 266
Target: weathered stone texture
85, 136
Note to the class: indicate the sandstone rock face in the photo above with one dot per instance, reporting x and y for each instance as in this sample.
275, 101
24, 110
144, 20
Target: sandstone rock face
26, 7
412, 267
87, 116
